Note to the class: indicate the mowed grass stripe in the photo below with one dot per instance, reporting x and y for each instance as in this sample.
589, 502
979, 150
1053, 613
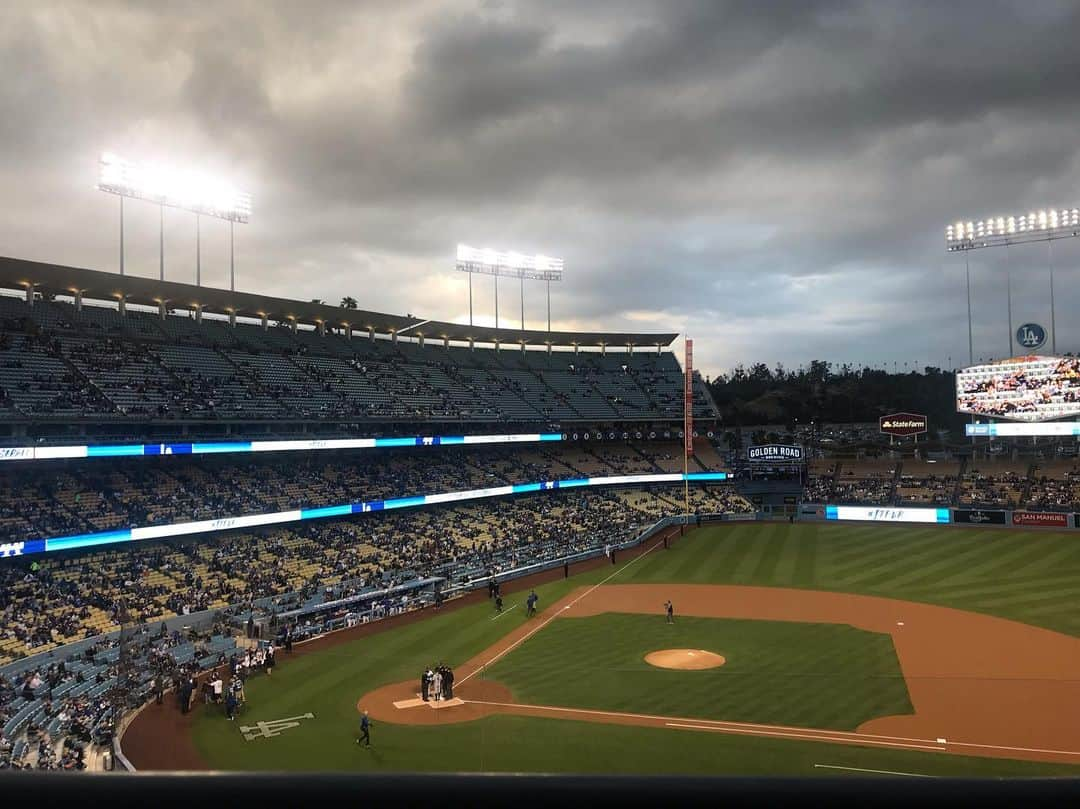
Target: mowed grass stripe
1008, 554
783, 571
774, 546
744, 571
928, 553
893, 554
806, 552
986, 587
683, 559
1029, 599
1050, 559
729, 562
947, 565
869, 543
869, 537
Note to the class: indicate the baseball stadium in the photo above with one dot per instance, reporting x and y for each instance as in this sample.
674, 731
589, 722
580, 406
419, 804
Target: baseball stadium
549, 558
454, 401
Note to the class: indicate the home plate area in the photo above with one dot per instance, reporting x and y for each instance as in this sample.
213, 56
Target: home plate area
436, 705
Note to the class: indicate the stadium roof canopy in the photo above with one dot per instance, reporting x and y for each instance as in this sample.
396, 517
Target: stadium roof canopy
56, 279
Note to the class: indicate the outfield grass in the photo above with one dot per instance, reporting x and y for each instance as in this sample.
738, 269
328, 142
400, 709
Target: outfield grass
1031, 577
1026, 576
806, 675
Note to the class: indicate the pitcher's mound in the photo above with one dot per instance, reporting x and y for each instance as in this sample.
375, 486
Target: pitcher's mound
685, 659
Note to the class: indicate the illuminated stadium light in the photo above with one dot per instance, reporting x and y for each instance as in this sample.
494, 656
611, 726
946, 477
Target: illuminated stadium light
1002, 231
168, 186
515, 265
510, 265
999, 231
174, 187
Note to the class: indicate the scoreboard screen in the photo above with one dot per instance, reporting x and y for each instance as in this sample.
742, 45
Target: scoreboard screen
1022, 388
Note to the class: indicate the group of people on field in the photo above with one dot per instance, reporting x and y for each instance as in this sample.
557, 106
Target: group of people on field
437, 683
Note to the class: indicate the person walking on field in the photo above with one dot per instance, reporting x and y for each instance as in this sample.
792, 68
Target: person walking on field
670, 609
365, 730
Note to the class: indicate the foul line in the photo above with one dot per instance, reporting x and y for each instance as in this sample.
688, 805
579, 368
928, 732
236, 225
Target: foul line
808, 737
1018, 749
555, 615
879, 772
501, 614
782, 731
710, 724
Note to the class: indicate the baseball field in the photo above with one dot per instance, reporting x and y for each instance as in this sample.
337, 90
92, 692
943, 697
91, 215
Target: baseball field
810, 649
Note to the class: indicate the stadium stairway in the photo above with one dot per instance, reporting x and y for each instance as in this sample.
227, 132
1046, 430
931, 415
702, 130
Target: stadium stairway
959, 487
1025, 493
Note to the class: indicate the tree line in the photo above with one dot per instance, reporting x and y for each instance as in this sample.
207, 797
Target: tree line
827, 393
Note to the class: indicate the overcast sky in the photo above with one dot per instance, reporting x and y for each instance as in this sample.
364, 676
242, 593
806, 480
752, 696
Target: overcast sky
771, 178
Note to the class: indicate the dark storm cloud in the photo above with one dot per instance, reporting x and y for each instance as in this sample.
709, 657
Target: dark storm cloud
773, 178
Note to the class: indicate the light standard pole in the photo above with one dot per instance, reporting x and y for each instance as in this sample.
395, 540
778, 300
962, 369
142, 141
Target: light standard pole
121, 236
1009, 299
198, 252
1053, 330
232, 258
971, 339
161, 242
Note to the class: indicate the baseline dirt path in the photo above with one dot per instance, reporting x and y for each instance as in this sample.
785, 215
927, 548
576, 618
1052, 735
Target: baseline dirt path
986, 686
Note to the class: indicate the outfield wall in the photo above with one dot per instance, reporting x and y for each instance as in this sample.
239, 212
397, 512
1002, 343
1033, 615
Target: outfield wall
1018, 518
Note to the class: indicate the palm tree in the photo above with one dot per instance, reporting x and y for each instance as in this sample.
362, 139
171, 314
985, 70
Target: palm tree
348, 302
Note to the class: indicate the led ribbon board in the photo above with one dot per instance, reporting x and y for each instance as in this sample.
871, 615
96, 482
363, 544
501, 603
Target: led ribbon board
1007, 430
224, 447
277, 517
886, 514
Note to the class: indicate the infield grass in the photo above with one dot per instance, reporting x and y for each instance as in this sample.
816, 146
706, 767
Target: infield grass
783, 673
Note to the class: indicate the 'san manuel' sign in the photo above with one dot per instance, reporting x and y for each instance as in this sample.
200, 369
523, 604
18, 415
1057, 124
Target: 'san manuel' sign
774, 453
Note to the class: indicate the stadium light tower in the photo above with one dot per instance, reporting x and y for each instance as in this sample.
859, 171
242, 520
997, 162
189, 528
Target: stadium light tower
1005, 231
175, 188
509, 265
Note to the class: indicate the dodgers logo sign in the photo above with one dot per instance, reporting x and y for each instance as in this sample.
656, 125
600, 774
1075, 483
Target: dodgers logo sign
1031, 335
